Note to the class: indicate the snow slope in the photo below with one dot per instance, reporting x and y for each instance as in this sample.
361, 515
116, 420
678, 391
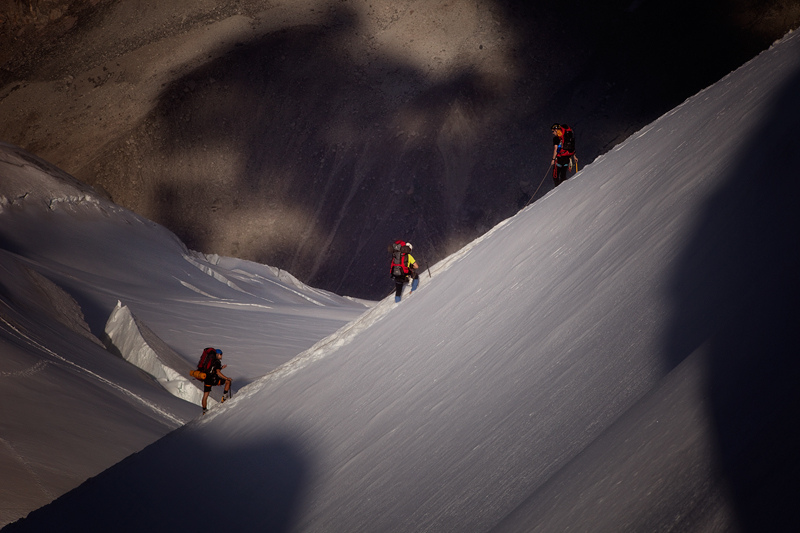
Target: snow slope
619, 356
75, 269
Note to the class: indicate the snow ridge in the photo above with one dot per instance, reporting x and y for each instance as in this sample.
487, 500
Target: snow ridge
169, 417
124, 334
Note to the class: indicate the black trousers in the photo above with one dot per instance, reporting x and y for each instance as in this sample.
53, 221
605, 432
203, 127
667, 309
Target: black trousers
402, 280
560, 170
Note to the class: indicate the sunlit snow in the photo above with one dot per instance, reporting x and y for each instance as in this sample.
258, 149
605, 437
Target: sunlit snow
619, 356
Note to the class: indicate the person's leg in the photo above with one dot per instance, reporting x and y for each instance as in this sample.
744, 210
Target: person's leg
398, 289
560, 175
204, 402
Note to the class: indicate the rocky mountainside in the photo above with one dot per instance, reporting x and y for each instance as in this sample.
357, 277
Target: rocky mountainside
307, 134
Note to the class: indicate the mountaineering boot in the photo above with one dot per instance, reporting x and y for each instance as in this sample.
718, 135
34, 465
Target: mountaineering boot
414, 284
396, 299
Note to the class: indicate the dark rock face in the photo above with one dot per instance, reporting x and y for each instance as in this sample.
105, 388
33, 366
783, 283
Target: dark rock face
310, 135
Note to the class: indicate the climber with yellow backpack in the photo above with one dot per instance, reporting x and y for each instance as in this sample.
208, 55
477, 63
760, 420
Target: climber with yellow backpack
403, 267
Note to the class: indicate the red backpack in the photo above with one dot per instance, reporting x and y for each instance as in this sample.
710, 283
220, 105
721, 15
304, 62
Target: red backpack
399, 266
205, 364
568, 142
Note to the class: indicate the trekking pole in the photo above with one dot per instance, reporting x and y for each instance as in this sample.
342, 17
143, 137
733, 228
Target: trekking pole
427, 266
540, 185
430, 244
